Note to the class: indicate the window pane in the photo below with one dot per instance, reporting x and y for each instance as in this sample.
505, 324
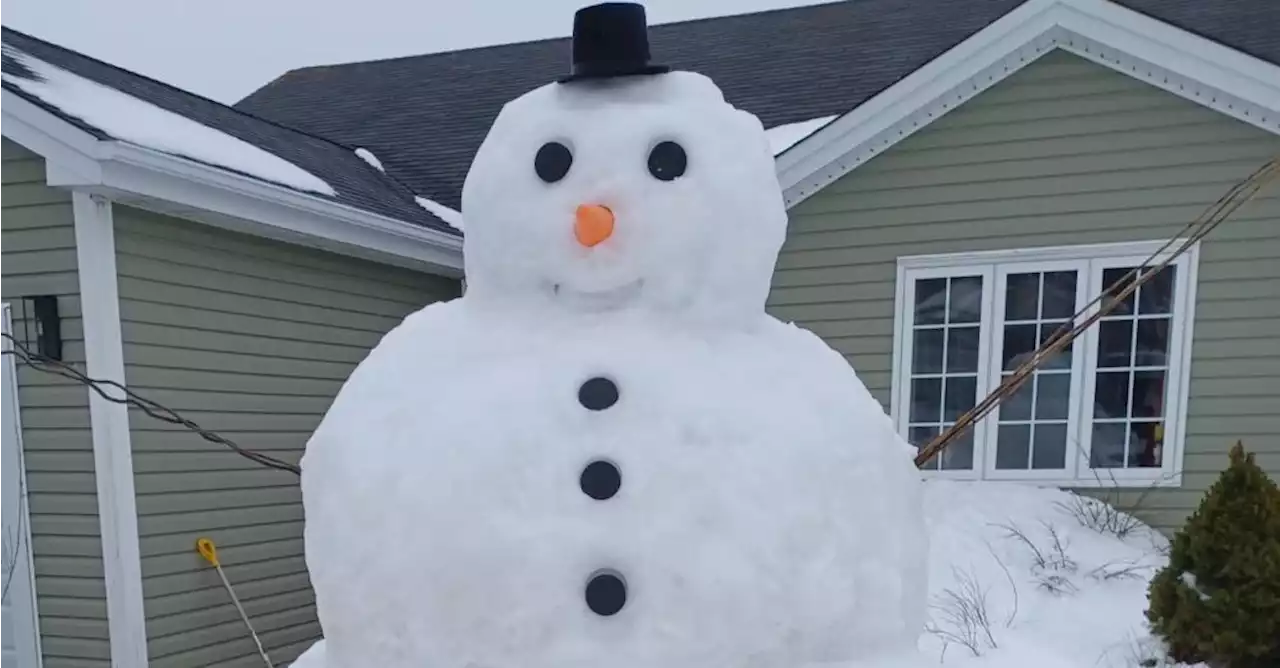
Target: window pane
931, 301
1111, 395
926, 351
958, 455
1053, 394
919, 437
962, 350
1153, 342
965, 304
1109, 278
1019, 343
1012, 446
960, 397
1062, 360
1108, 446
1144, 445
1148, 394
926, 399
1115, 343
1017, 406
1021, 296
1156, 295
1050, 447
1059, 301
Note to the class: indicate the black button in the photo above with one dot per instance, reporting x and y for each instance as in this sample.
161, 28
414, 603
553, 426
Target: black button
598, 394
606, 593
600, 480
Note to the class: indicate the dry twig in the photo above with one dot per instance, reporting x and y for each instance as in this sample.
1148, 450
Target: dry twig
963, 610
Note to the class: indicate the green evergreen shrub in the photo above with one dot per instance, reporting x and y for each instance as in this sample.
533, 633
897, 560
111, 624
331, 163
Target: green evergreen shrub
1218, 600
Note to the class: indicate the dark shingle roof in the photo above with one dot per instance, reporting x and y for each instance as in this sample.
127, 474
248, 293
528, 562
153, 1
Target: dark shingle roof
426, 115
356, 183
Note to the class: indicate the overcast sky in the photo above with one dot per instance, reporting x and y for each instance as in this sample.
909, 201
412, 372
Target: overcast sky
224, 49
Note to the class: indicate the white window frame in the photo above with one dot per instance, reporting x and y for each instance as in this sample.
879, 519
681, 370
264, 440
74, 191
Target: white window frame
1090, 260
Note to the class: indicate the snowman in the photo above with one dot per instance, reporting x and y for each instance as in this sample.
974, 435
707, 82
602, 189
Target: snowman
606, 453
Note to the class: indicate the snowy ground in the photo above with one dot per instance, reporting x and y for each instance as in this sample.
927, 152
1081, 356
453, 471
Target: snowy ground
1017, 579
1067, 595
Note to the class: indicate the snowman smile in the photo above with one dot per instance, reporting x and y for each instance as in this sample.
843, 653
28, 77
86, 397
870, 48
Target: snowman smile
607, 298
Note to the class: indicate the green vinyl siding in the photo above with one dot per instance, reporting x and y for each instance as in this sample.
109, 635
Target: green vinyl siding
250, 338
40, 259
1063, 152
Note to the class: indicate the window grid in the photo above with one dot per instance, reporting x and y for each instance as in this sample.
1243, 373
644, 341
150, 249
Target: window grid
1168, 396
1132, 424
1034, 429
959, 456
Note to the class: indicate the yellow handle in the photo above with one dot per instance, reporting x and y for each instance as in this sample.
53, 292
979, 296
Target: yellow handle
207, 550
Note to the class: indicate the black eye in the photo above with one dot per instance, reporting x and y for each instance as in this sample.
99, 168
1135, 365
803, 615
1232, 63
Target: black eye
552, 162
667, 161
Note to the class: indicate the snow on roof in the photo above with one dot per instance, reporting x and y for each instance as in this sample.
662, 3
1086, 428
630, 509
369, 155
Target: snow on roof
454, 218
130, 119
783, 137
368, 156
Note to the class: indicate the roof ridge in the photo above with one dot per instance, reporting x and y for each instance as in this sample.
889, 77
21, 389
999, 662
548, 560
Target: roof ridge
541, 40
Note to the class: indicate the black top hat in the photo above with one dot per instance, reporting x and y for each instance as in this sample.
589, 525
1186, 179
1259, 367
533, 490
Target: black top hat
611, 39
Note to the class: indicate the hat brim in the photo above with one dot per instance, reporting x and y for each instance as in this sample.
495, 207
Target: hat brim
609, 70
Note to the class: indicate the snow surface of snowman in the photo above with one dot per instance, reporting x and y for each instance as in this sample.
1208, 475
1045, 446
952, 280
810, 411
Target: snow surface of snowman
606, 453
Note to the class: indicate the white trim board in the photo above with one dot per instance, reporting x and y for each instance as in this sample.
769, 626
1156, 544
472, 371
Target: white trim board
21, 609
159, 181
109, 423
1187, 65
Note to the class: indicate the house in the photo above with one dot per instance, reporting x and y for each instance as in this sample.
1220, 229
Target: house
961, 177
229, 268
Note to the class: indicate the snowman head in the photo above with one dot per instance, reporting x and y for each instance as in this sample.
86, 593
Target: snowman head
625, 193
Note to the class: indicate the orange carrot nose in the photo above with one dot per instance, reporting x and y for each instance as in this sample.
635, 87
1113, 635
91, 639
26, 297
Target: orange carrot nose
594, 224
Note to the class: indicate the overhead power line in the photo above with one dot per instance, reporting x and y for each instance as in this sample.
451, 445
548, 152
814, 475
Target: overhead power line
119, 394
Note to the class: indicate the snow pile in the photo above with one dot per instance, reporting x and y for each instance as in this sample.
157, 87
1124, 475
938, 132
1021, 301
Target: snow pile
783, 137
450, 216
133, 120
1057, 594
368, 156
